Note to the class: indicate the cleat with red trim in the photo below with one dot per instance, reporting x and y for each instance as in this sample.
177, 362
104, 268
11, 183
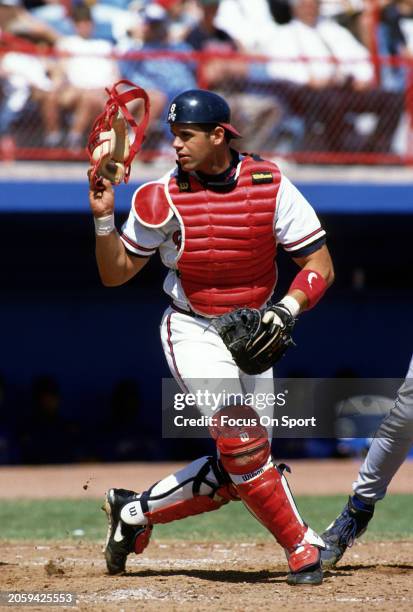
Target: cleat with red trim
310, 577
305, 566
199, 487
121, 538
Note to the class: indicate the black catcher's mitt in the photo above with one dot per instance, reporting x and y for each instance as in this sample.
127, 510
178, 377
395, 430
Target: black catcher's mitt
256, 338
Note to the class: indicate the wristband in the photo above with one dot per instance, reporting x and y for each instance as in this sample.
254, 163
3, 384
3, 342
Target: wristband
291, 304
104, 225
312, 284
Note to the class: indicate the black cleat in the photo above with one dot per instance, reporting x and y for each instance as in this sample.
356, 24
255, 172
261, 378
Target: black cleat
310, 576
122, 538
340, 535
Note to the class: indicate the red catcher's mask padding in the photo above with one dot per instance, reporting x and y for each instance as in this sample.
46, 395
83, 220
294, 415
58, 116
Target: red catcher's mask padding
117, 101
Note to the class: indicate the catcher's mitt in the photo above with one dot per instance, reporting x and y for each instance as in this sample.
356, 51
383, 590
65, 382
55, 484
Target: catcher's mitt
256, 338
109, 148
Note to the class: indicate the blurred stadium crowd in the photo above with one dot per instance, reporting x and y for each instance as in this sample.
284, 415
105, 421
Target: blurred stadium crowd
319, 80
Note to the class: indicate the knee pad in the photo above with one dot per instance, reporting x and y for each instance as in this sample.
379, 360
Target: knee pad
241, 440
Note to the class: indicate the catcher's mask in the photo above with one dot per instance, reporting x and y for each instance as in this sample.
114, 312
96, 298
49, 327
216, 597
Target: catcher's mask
101, 138
201, 106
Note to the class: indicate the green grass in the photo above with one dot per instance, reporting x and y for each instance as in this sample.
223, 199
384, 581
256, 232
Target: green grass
57, 519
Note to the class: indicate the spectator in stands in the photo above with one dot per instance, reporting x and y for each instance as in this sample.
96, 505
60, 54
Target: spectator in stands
162, 77
111, 20
280, 10
24, 79
391, 16
322, 73
395, 40
23, 76
84, 69
254, 111
207, 37
182, 14
16, 20
354, 15
317, 52
246, 21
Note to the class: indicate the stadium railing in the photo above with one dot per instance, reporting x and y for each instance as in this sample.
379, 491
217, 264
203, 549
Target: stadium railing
278, 118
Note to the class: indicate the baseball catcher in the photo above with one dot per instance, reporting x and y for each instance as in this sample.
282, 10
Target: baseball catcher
217, 220
109, 148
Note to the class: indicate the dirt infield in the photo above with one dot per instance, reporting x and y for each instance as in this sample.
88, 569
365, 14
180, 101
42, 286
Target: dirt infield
198, 577
193, 577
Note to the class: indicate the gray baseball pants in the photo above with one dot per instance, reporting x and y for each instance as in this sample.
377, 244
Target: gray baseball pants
390, 446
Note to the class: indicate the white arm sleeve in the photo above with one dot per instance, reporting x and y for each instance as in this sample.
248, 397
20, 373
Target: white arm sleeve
296, 223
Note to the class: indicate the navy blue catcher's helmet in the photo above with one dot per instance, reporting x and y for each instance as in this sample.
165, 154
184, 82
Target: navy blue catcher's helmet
201, 106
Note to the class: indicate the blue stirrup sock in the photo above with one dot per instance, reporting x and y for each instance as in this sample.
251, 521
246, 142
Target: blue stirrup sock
359, 504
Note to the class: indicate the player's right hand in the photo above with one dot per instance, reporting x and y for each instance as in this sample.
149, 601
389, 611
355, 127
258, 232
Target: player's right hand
101, 196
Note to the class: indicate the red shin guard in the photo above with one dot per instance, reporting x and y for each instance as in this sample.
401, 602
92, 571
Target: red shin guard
271, 503
266, 497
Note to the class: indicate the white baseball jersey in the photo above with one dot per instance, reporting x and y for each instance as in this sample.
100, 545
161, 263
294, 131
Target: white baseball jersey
296, 228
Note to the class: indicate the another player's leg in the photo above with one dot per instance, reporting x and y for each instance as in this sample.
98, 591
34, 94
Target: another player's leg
350, 524
245, 455
202, 486
387, 452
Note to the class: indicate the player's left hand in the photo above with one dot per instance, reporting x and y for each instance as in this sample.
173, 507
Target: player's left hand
256, 339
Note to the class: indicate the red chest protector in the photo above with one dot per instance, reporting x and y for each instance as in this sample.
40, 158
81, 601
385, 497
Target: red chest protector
228, 248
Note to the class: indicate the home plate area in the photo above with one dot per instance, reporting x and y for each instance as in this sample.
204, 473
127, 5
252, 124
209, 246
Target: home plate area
190, 576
